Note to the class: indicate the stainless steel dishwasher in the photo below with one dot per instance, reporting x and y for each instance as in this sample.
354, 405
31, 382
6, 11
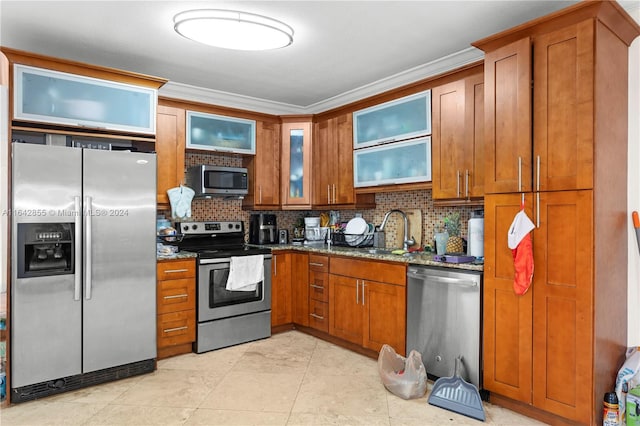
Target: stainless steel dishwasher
443, 320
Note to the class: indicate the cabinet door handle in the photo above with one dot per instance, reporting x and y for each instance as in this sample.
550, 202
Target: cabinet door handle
176, 296
538, 173
457, 183
363, 286
538, 209
334, 193
466, 183
317, 286
260, 193
316, 264
169, 330
328, 194
538, 191
357, 291
317, 316
519, 174
275, 264
175, 271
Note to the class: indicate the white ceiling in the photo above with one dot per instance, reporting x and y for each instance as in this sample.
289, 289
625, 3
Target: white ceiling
342, 50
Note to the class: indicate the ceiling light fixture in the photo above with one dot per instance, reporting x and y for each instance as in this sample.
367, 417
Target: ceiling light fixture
231, 29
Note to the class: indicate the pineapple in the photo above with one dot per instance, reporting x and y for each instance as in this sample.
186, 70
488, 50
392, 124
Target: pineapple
452, 223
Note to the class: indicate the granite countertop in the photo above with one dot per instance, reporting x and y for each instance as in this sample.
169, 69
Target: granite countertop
178, 255
425, 259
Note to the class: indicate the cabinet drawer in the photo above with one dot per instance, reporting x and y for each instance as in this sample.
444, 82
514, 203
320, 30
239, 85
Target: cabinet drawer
175, 269
176, 328
319, 286
176, 295
319, 315
318, 263
387, 272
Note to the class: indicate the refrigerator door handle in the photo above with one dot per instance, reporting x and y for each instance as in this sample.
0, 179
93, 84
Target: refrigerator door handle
87, 247
77, 288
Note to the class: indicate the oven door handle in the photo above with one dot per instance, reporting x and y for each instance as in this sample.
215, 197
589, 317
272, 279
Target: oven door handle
214, 261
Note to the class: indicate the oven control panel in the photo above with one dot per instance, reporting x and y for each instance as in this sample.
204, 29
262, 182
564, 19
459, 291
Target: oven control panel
210, 227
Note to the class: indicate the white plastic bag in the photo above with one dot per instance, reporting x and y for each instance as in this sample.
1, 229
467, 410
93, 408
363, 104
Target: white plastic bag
628, 378
404, 377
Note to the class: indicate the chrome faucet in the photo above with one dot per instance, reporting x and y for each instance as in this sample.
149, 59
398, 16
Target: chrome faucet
407, 240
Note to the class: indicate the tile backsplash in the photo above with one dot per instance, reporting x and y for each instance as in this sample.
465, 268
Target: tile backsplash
432, 216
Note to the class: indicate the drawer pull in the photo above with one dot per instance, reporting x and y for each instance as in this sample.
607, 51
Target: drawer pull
316, 264
317, 316
177, 296
175, 271
317, 286
169, 330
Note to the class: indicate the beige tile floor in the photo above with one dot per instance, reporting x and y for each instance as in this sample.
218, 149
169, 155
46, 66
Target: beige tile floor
289, 379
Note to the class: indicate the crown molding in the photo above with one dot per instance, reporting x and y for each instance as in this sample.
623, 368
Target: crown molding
231, 100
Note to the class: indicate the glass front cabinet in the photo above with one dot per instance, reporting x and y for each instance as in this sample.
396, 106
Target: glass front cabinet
397, 120
54, 97
213, 132
393, 164
296, 165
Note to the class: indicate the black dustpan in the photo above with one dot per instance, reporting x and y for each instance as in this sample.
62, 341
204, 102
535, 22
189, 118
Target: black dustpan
455, 394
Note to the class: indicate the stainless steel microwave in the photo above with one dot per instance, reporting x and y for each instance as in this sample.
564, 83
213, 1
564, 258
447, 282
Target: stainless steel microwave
218, 181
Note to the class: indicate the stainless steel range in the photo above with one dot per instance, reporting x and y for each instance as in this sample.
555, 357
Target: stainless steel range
226, 317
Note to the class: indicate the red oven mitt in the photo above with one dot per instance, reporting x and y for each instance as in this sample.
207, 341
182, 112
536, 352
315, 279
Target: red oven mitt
522, 249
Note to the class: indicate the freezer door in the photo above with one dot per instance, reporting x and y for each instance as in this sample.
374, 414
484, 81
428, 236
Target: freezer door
119, 314
46, 327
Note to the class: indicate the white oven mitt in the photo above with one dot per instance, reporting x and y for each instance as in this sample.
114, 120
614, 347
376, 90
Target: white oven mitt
180, 199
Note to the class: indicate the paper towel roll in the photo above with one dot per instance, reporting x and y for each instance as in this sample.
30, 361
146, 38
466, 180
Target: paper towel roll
476, 237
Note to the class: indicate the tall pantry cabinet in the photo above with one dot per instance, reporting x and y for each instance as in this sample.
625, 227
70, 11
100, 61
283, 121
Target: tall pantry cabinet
556, 136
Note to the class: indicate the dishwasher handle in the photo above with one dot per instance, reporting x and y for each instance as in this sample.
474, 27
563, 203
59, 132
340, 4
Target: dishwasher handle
445, 280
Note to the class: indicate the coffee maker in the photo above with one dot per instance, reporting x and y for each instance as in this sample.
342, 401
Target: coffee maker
263, 229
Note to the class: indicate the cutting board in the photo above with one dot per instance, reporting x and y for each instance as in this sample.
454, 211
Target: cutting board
414, 216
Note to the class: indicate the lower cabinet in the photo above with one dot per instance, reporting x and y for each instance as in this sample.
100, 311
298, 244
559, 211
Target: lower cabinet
176, 306
281, 294
318, 285
300, 288
367, 302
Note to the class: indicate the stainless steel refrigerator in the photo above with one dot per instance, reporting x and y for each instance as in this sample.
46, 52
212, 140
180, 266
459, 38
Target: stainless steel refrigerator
83, 290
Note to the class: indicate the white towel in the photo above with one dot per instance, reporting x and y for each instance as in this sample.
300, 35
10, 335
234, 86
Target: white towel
245, 272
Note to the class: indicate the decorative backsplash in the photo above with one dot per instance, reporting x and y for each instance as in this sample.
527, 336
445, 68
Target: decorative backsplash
432, 216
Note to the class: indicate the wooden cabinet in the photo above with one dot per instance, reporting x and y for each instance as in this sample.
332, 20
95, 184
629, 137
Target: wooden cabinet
457, 140
318, 290
296, 164
556, 350
176, 306
507, 318
300, 288
367, 302
281, 306
333, 165
396, 120
264, 169
170, 146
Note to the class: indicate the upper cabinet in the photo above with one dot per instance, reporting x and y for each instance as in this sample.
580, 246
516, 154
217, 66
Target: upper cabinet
333, 165
458, 135
54, 97
214, 132
400, 119
393, 164
296, 164
170, 142
264, 169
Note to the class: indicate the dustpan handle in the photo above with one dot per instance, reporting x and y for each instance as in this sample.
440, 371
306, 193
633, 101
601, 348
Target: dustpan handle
458, 367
